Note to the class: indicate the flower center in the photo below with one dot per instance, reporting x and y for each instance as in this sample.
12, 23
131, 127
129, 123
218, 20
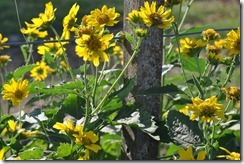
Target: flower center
86, 141
155, 19
40, 71
207, 110
18, 94
94, 43
102, 18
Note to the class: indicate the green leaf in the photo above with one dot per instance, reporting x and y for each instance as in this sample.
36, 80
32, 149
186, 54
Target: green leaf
111, 144
72, 106
182, 130
64, 150
168, 89
130, 39
62, 88
34, 153
190, 64
125, 90
21, 71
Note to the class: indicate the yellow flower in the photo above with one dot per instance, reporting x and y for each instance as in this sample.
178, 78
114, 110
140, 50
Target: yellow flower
205, 110
191, 47
69, 21
88, 139
210, 34
15, 91
213, 58
104, 17
231, 156
92, 47
54, 48
1, 154
3, 40
46, 18
153, 17
34, 33
233, 93
4, 59
233, 42
13, 127
134, 16
141, 32
40, 72
188, 154
67, 127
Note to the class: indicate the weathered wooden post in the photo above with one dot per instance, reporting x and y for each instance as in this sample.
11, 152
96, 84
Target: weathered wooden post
147, 67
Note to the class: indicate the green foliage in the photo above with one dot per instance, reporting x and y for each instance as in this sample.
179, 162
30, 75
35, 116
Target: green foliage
183, 131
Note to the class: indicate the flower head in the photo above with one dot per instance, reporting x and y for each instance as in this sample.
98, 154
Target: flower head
88, 139
213, 58
40, 72
134, 16
231, 156
46, 18
3, 40
92, 47
54, 48
191, 47
233, 93
104, 17
233, 41
153, 17
33, 32
15, 91
69, 21
210, 34
4, 59
188, 154
205, 110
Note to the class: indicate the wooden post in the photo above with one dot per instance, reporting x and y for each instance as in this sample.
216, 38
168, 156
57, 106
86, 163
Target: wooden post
147, 66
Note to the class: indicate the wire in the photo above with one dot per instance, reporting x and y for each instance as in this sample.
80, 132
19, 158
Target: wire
72, 40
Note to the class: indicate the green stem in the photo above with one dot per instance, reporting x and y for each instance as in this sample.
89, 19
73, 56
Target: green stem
86, 98
181, 63
184, 16
205, 69
95, 87
101, 75
182, 21
230, 72
232, 66
119, 77
64, 54
227, 106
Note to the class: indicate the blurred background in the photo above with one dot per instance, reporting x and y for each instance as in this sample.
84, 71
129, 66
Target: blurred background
216, 13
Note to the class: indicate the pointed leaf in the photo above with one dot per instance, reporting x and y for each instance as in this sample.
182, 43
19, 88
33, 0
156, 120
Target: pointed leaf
19, 72
182, 130
64, 150
190, 64
130, 39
